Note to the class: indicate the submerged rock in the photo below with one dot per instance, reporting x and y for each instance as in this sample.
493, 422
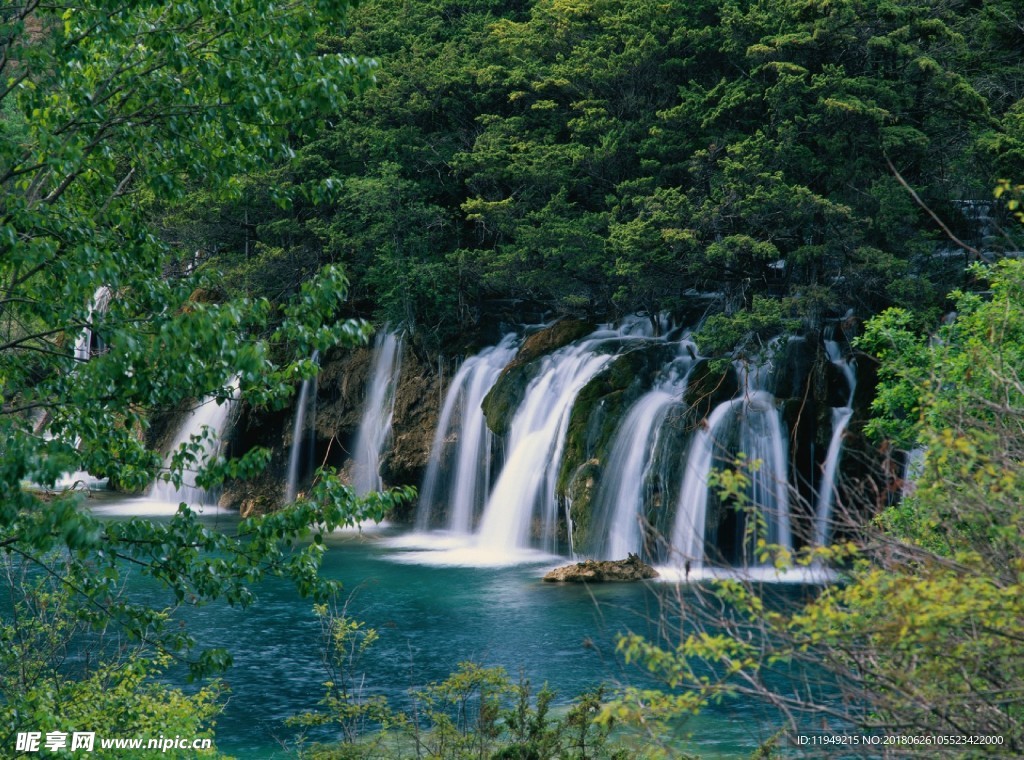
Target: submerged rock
599, 571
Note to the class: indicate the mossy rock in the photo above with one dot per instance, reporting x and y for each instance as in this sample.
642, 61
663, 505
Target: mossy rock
598, 409
580, 492
500, 403
550, 339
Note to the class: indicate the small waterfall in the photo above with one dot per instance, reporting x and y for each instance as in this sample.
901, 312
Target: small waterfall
840, 421
462, 434
99, 303
835, 355
207, 421
625, 489
525, 490
302, 443
760, 439
375, 426
691, 510
826, 489
80, 479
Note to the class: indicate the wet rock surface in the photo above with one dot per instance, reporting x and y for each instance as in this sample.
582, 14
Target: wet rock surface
603, 571
504, 398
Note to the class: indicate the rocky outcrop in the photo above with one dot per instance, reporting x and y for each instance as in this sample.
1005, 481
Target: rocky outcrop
542, 342
253, 497
341, 394
418, 399
601, 571
595, 417
504, 398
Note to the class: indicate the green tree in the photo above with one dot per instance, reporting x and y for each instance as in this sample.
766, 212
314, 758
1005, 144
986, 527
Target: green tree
110, 112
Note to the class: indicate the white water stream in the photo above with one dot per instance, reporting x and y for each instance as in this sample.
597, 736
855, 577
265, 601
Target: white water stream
826, 492
462, 441
302, 441
626, 492
375, 426
762, 441
202, 431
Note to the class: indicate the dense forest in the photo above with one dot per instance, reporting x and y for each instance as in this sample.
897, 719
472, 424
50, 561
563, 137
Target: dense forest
255, 183
603, 158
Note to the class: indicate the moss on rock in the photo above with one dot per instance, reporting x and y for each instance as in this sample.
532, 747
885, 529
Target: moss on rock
501, 402
580, 493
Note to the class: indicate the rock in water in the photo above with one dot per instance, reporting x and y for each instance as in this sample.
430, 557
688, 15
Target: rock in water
599, 571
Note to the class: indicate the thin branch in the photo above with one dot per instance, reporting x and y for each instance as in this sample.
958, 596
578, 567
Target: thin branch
933, 215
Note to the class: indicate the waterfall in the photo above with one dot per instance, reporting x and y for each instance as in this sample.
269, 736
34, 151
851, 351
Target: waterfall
625, 490
761, 440
462, 434
691, 509
80, 479
206, 422
840, 420
835, 355
826, 489
83, 343
302, 445
375, 426
525, 489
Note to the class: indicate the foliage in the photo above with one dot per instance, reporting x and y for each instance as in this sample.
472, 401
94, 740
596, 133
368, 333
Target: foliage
345, 703
955, 396
110, 114
747, 331
57, 673
607, 157
477, 712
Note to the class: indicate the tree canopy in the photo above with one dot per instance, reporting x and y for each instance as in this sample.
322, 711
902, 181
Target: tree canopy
608, 157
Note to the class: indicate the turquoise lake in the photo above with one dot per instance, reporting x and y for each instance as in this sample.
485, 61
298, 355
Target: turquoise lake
431, 616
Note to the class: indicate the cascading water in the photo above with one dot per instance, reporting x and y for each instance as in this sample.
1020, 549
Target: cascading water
625, 490
462, 435
99, 303
835, 355
840, 421
525, 490
375, 426
206, 423
691, 508
760, 438
302, 441
80, 479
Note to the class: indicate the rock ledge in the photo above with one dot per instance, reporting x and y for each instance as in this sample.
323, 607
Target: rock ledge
600, 571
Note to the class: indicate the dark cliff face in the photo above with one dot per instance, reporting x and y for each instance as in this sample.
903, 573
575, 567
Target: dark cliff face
341, 395
418, 399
